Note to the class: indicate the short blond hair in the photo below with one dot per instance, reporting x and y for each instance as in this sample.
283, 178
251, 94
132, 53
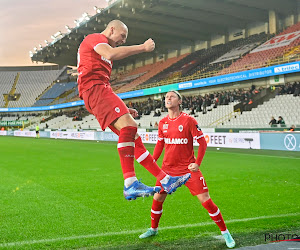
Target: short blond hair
177, 93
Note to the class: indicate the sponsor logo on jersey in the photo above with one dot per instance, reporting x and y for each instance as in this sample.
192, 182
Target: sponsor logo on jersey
106, 60
180, 128
176, 140
117, 109
165, 126
198, 127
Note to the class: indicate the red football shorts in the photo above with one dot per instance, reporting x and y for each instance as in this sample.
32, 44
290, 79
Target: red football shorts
104, 104
196, 184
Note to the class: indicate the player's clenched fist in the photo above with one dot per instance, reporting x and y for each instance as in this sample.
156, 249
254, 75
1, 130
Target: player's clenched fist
193, 167
149, 45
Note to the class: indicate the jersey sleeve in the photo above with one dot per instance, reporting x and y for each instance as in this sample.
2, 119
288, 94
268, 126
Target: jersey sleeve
195, 129
97, 39
160, 143
198, 135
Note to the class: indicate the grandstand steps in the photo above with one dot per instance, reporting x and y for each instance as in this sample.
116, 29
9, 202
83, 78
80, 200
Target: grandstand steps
154, 70
12, 91
280, 105
63, 95
263, 96
49, 87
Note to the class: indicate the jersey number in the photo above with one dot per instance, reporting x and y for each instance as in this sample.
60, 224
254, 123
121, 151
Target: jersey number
204, 184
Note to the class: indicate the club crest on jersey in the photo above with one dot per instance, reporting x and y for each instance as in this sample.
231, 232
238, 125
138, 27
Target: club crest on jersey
165, 126
117, 109
198, 127
180, 128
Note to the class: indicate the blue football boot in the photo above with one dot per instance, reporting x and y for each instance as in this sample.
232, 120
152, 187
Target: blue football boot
175, 182
138, 189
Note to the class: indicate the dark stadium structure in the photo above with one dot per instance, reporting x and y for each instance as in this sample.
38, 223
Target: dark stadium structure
171, 23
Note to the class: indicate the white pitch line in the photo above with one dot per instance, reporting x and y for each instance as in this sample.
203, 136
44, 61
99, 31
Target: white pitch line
31, 242
272, 156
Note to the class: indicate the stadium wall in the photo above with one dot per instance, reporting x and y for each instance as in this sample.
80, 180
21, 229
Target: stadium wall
286, 141
217, 40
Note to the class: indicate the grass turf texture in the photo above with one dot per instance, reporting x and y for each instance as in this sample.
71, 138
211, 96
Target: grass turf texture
69, 194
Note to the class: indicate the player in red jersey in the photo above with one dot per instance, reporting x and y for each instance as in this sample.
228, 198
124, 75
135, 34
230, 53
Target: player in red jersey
95, 60
176, 132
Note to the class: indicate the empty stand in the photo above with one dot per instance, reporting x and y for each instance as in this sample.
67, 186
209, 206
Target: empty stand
31, 84
54, 92
6, 82
263, 58
286, 106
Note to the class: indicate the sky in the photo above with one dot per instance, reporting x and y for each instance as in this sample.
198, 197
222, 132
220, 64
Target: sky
24, 24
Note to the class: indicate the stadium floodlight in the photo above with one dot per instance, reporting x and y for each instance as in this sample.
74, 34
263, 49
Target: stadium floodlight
46, 42
57, 35
68, 28
40, 45
35, 49
85, 15
83, 19
30, 54
98, 10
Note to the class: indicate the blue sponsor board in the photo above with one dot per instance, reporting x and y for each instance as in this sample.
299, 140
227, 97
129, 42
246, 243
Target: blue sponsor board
280, 141
43, 108
131, 94
242, 76
216, 80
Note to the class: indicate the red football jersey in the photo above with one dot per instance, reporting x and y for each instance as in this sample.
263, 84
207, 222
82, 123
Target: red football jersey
178, 135
92, 67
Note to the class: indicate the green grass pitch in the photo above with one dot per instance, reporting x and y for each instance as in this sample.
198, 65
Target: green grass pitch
65, 194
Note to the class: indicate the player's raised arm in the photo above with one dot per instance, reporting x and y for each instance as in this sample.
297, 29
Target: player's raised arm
116, 33
119, 53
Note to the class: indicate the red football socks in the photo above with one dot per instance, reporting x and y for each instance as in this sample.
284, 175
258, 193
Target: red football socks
143, 157
156, 212
215, 214
126, 150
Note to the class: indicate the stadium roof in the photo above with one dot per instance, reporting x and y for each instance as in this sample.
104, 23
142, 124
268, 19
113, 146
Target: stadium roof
171, 23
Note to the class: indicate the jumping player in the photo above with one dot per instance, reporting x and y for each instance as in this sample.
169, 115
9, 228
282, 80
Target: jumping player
95, 60
176, 133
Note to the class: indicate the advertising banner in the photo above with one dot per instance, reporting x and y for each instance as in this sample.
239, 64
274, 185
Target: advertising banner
25, 133
220, 140
3, 132
232, 140
278, 41
12, 123
72, 135
106, 136
149, 137
280, 141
